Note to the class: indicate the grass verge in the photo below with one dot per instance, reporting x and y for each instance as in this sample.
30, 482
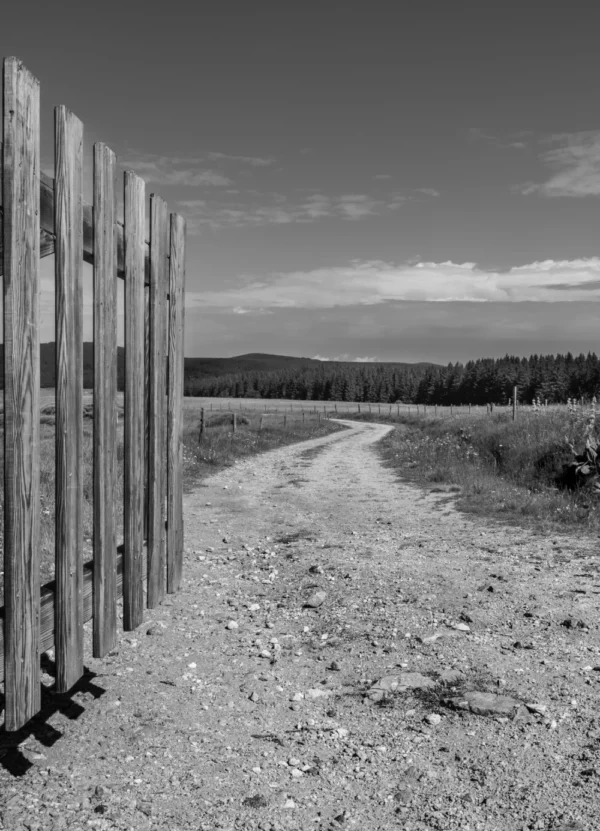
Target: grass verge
502, 470
220, 446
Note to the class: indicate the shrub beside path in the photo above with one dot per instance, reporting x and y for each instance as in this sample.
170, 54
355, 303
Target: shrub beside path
347, 651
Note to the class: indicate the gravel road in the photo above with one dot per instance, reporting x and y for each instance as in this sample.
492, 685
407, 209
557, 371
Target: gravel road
347, 651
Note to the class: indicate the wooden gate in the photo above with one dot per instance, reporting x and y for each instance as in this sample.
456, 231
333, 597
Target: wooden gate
43, 216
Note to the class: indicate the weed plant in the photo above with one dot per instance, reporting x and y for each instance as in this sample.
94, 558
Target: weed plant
520, 471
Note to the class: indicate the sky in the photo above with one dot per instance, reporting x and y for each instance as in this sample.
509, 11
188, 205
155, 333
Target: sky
369, 181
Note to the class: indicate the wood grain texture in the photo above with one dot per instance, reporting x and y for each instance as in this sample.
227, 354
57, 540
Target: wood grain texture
105, 402
133, 462
47, 604
157, 480
69, 398
47, 239
21, 238
146, 406
175, 405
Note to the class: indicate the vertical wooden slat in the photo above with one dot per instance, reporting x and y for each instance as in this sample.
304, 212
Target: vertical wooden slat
146, 408
68, 223
175, 405
21, 240
157, 410
105, 401
133, 508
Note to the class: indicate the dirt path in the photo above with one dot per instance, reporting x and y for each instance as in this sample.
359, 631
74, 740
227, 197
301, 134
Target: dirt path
238, 707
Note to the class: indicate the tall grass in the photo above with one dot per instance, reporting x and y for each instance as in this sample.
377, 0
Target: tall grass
510, 471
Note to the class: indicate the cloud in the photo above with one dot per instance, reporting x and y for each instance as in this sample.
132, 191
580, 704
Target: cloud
479, 134
253, 161
356, 206
428, 191
345, 357
245, 213
576, 161
168, 171
514, 141
383, 176
239, 310
376, 282
250, 210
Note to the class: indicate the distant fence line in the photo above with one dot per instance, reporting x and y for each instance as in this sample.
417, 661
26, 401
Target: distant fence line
379, 408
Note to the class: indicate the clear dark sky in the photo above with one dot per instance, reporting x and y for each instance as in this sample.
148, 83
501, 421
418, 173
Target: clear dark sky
345, 166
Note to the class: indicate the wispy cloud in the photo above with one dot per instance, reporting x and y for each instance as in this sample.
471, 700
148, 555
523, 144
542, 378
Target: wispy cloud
253, 161
250, 210
189, 171
347, 358
376, 282
576, 160
245, 213
169, 171
514, 140
383, 176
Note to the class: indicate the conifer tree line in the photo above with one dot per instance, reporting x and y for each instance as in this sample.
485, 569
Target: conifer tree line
554, 378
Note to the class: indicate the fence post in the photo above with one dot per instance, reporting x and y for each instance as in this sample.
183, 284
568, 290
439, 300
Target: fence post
175, 424
201, 430
133, 502
284, 421
233, 424
105, 390
514, 404
359, 408
157, 450
303, 415
68, 634
260, 423
21, 236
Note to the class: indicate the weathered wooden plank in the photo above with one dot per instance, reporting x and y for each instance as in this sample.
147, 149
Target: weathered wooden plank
146, 407
105, 401
175, 405
21, 239
47, 242
133, 462
159, 229
47, 604
69, 398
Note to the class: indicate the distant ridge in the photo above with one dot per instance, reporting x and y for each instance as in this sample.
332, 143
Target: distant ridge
264, 362
193, 367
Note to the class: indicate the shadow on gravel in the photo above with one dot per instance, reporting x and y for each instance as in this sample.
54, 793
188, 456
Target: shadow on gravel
13, 753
